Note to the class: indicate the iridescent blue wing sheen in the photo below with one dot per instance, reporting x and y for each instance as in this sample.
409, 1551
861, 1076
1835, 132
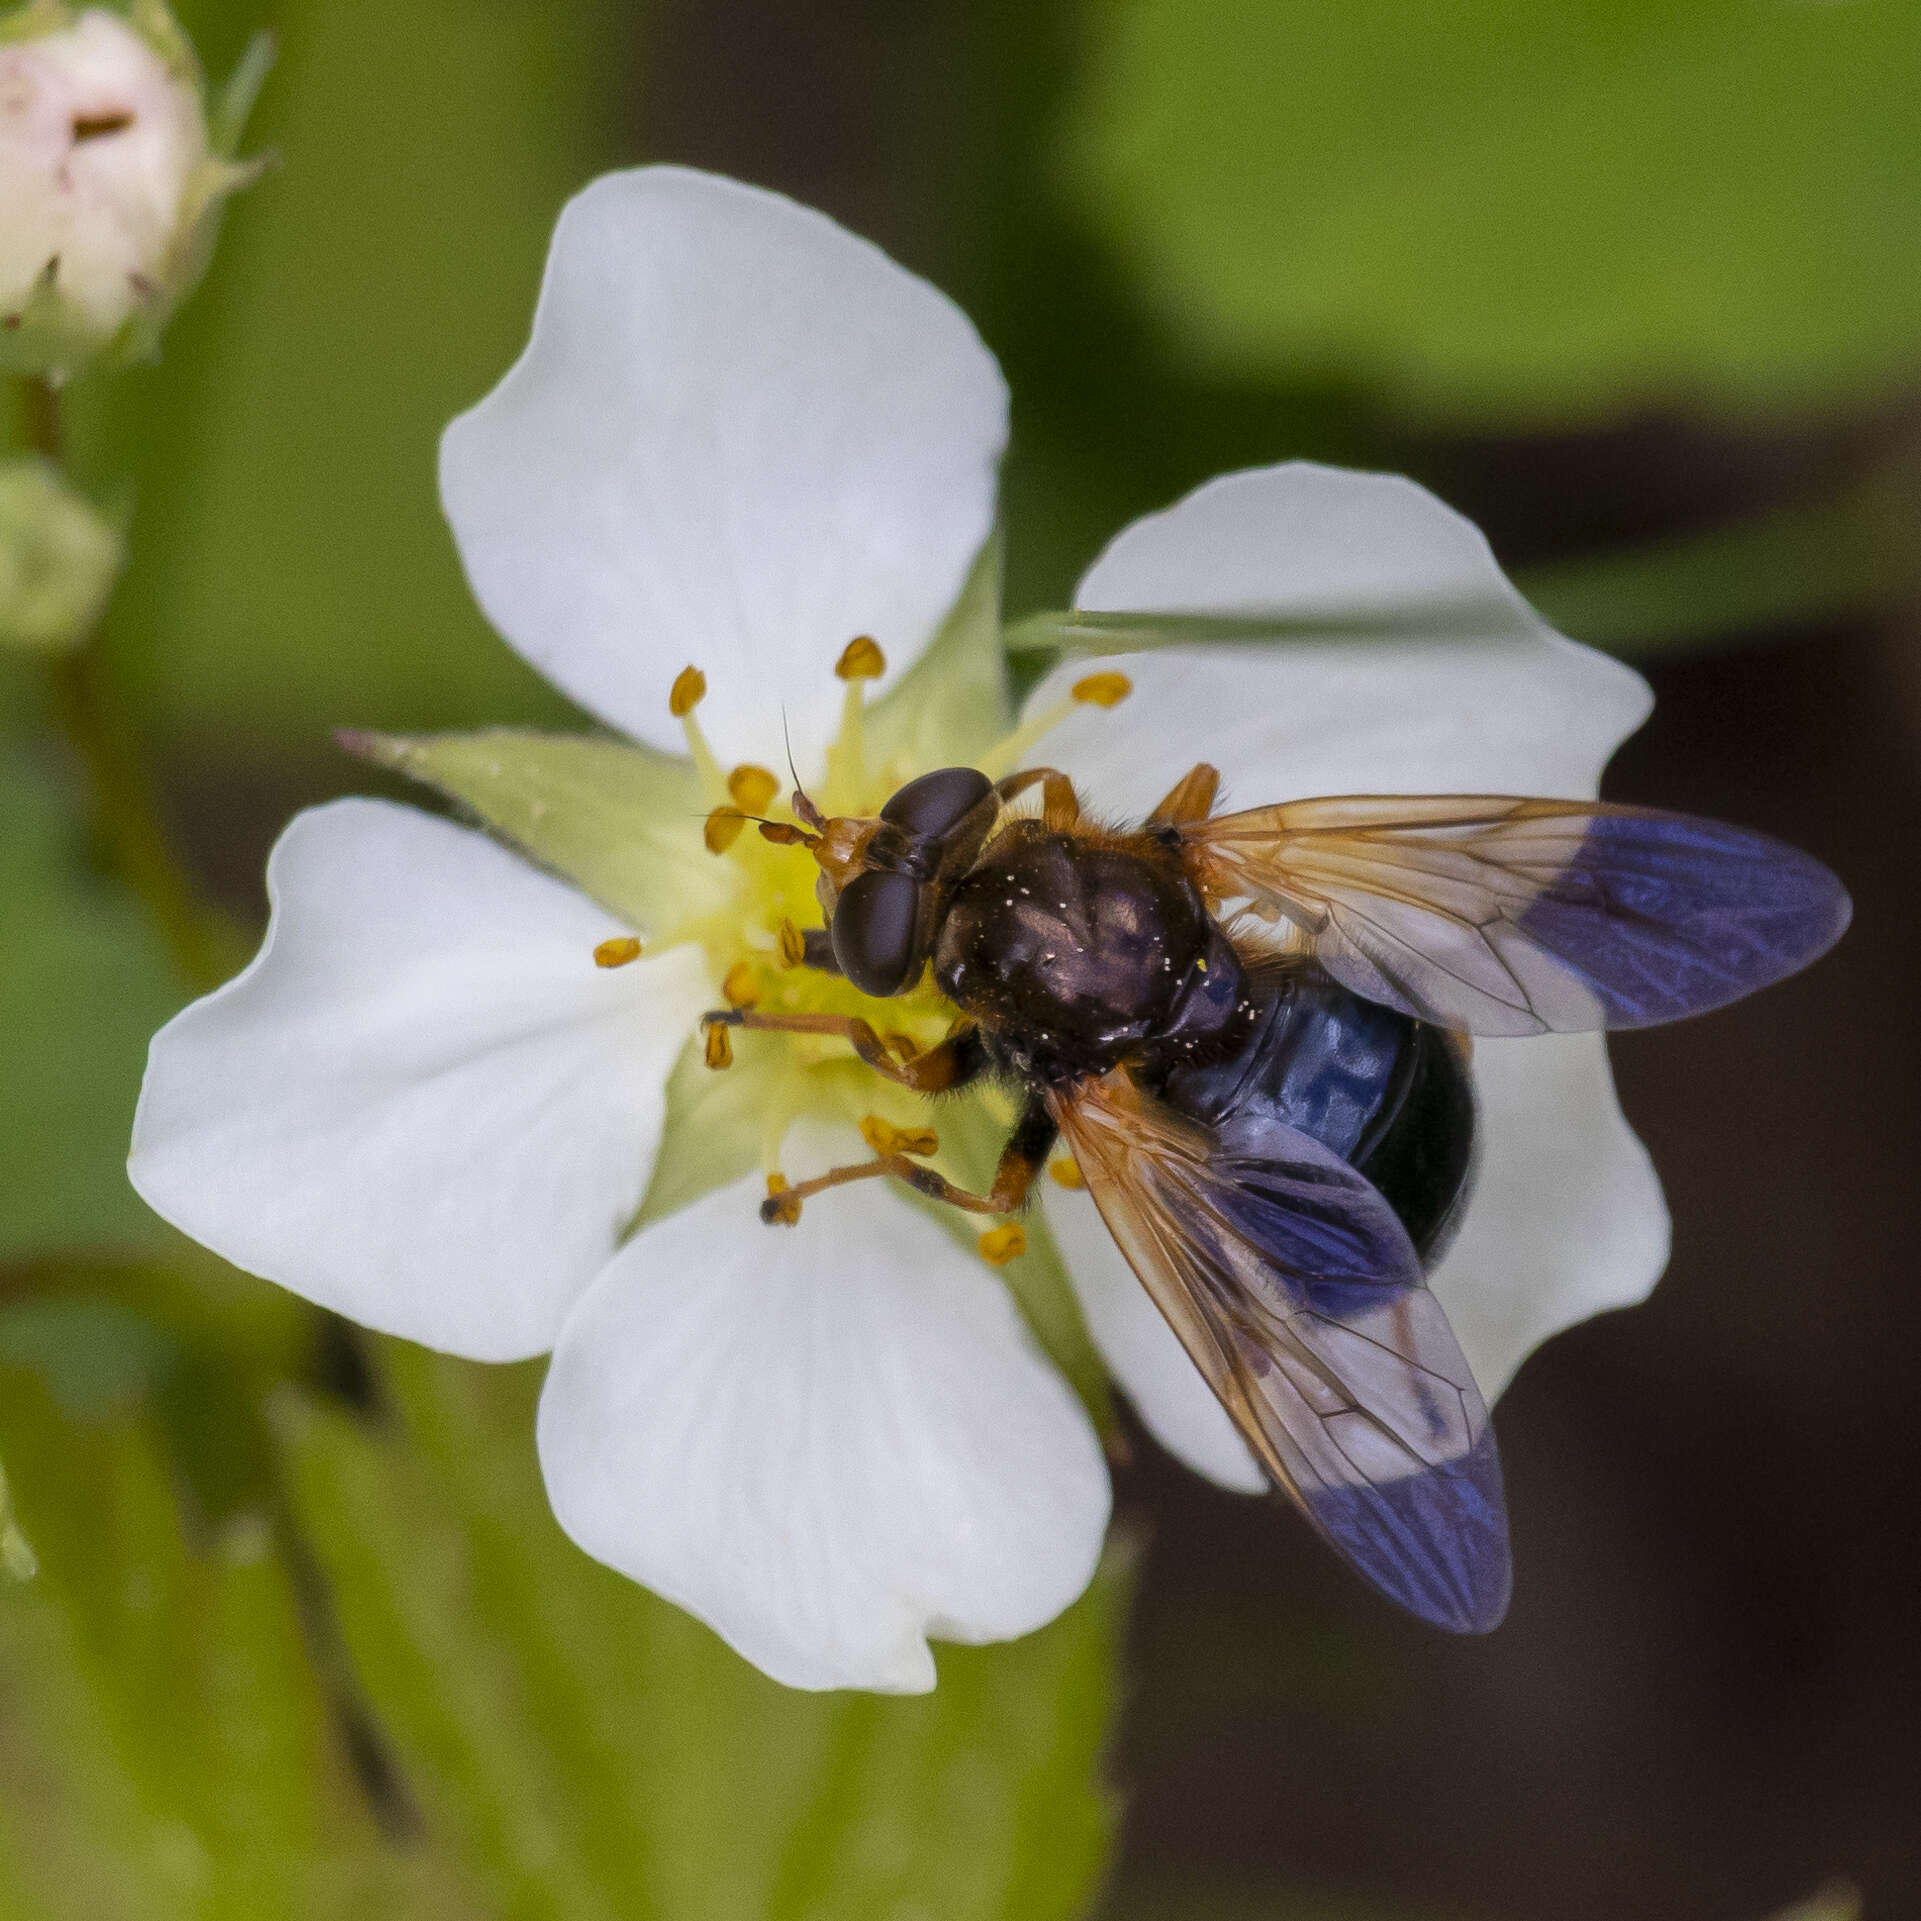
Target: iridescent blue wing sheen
1500, 915
1299, 1296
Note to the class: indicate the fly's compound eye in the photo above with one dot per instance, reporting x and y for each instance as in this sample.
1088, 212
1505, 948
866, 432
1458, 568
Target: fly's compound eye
874, 926
937, 802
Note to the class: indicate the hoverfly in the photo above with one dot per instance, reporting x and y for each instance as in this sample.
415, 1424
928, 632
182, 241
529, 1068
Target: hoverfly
1251, 1032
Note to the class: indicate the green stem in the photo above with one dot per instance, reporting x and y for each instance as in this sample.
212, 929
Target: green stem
125, 807
40, 417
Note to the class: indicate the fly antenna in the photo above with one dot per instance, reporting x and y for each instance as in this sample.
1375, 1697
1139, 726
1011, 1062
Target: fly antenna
803, 807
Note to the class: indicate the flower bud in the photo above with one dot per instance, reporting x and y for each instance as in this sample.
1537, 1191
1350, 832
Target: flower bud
58, 560
111, 182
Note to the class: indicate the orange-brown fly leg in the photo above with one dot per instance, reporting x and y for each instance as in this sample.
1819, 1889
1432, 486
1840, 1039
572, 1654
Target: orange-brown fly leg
1021, 1159
1060, 805
1191, 799
949, 1064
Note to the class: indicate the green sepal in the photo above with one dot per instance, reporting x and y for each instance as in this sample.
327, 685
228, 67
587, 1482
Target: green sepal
1495, 614
714, 1128
952, 704
620, 821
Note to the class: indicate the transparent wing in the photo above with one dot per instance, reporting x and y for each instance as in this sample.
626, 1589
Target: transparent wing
1299, 1296
1508, 916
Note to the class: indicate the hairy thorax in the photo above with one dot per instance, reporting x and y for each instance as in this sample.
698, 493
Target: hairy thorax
1076, 952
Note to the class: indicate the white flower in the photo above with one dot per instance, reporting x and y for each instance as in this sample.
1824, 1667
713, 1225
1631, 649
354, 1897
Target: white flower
740, 437
109, 180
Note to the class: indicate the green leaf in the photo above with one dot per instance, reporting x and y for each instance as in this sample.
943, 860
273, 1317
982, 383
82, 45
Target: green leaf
1520, 213
620, 821
592, 1752
1803, 563
83, 984
167, 1746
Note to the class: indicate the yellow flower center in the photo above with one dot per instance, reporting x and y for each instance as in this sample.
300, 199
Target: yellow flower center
753, 944
754, 941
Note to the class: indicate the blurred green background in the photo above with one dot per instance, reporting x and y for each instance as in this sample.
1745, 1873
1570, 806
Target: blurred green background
284, 1626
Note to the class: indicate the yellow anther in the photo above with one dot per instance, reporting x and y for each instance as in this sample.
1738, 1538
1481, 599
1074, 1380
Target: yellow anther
1067, 1173
688, 691
1103, 690
720, 1046
752, 787
886, 1139
861, 659
723, 829
617, 952
741, 988
793, 945
1002, 1244
781, 1205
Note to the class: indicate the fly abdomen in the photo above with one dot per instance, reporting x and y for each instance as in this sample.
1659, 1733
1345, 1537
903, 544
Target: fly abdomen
1387, 1093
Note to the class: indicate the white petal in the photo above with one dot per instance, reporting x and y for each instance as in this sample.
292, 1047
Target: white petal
1565, 1218
1142, 1352
739, 437
1496, 702
422, 1104
828, 1441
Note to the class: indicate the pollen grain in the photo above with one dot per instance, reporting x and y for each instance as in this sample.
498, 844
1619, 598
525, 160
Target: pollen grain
885, 1138
1002, 1244
752, 787
617, 952
688, 691
723, 829
1103, 690
861, 659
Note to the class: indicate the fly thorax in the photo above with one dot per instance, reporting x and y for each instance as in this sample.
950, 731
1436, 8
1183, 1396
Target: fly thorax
1071, 953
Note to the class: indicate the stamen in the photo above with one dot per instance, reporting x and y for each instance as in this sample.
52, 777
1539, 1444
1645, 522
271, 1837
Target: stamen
617, 952
1103, 690
1002, 1244
741, 988
1067, 1173
885, 1139
1092, 690
723, 829
780, 1205
793, 944
752, 787
861, 659
688, 691
720, 1046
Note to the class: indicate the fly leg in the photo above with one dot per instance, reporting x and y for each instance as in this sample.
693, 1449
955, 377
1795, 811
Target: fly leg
1191, 799
1060, 805
1021, 1159
950, 1064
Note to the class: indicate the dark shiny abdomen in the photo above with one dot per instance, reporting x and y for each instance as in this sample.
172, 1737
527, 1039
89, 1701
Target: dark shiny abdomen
1388, 1094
